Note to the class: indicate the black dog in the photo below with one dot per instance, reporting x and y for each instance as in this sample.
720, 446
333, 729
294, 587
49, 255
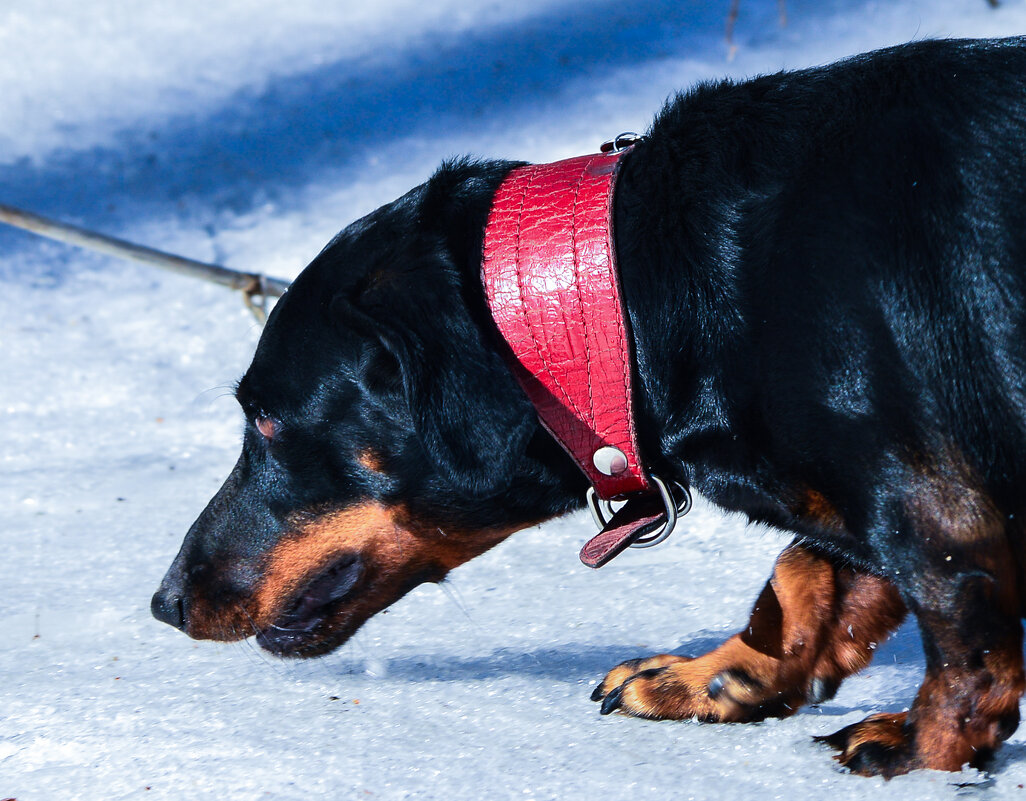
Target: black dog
825, 274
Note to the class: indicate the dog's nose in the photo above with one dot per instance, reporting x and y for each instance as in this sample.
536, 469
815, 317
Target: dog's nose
168, 607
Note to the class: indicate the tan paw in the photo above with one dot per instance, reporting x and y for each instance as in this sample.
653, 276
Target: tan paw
679, 688
880, 745
618, 675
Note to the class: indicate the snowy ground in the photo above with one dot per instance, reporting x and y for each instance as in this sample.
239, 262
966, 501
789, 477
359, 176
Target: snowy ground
247, 132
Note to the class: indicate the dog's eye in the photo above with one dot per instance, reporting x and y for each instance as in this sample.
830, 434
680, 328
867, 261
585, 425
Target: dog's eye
267, 426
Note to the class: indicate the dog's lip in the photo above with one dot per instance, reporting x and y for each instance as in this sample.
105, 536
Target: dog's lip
312, 606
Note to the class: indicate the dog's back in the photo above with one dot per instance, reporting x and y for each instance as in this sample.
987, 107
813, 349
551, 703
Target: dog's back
846, 263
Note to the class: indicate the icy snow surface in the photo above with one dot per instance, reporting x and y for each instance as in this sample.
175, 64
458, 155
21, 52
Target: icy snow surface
248, 132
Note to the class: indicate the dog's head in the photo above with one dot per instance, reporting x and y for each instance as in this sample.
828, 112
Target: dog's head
386, 440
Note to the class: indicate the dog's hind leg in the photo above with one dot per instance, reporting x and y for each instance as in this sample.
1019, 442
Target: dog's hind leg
813, 625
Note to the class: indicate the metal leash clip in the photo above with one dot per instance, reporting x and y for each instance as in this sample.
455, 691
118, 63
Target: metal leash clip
602, 511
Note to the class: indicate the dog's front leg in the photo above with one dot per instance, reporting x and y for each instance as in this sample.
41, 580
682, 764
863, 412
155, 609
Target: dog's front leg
812, 626
964, 592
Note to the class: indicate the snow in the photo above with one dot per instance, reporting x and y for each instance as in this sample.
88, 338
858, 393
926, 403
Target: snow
248, 133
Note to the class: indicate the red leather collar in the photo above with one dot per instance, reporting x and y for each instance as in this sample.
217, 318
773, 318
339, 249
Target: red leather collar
549, 271
550, 277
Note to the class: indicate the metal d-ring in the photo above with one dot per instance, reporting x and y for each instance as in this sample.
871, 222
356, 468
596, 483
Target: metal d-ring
621, 142
602, 511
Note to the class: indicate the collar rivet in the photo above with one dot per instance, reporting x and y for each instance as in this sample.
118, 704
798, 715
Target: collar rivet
609, 461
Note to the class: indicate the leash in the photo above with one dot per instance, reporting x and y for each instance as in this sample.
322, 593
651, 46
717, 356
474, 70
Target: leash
550, 277
256, 288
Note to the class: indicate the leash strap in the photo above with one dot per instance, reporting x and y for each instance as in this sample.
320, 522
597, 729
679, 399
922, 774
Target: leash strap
549, 271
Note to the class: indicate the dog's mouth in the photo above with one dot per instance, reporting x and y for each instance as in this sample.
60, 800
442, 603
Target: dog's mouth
296, 630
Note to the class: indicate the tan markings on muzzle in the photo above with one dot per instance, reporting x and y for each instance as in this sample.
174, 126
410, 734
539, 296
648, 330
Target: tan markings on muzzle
312, 546
392, 546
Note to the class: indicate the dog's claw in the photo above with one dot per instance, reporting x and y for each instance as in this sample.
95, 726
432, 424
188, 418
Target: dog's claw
612, 701
835, 741
822, 689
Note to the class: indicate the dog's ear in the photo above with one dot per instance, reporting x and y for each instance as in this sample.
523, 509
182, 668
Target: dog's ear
420, 298
471, 417
456, 202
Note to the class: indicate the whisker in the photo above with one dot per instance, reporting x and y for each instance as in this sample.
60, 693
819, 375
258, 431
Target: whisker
222, 390
453, 594
277, 667
236, 643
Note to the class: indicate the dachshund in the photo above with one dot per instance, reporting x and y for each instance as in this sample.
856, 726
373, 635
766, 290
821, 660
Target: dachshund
824, 273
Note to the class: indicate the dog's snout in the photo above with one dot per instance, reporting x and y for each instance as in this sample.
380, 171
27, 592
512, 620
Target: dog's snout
168, 606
